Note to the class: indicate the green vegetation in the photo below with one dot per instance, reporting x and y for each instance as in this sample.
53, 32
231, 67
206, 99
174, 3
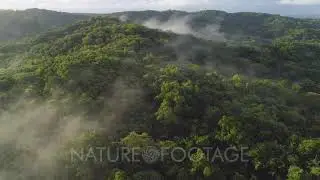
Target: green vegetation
18, 24
147, 88
259, 27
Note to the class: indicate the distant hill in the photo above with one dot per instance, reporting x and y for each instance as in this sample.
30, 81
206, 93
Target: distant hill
17, 24
312, 16
233, 26
210, 24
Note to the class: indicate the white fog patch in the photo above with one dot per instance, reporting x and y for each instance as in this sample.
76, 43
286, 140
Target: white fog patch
124, 18
179, 25
40, 131
34, 132
211, 32
176, 24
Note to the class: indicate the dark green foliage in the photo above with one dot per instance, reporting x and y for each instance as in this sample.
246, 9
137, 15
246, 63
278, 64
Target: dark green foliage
17, 24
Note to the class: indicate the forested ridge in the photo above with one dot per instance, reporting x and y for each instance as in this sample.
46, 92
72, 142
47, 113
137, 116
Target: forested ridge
18, 24
239, 26
110, 82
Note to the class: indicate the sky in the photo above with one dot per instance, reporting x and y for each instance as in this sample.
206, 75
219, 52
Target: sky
284, 7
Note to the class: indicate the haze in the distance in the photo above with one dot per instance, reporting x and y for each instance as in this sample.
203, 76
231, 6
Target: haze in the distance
283, 7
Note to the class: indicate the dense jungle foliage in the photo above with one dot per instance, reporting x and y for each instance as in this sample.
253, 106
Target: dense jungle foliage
119, 85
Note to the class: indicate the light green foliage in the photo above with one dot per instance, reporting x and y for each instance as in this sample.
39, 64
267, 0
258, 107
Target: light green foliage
315, 171
295, 173
119, 175
135, 140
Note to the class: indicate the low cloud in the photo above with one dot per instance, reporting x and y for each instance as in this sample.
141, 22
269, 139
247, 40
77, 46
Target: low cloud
300, 2
106, 6
34, 132
180, 25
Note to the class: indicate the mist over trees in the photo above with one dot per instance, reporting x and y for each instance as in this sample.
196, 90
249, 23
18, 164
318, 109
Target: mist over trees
73, 86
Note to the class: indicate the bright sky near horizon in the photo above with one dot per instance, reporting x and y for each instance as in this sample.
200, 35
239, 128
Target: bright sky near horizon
104, 6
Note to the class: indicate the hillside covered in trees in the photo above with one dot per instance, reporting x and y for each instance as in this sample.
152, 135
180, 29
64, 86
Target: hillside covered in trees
73, 98
243, 26
18, 24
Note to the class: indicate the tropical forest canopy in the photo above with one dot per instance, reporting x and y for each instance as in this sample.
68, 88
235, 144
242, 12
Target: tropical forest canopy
168, 80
